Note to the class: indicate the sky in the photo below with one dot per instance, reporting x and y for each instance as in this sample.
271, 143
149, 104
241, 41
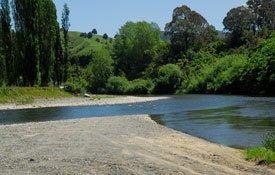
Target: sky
107, 16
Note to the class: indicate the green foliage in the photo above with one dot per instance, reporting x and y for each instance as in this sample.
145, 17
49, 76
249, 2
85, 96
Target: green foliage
94, 31
237, 21
76, 86
259, 75
269, 141
4, 90
140, 87
65, 26
99, 71
116, 85
24, 95
260, 153
263, 13
188, 30
135, 48
81, 48
37, 41
169, 77
105, 36
267, 152
7, 60
220, 77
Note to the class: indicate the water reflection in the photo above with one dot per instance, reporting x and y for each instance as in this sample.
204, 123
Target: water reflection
239, 125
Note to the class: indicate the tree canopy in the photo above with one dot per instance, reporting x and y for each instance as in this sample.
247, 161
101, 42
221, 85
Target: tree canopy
188, 30
135, 47
188, 57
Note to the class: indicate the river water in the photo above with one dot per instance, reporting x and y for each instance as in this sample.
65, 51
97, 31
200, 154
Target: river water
236, 121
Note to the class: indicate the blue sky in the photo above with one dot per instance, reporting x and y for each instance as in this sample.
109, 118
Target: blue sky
107, 16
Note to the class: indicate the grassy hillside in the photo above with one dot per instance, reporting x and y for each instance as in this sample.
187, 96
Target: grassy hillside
82, 47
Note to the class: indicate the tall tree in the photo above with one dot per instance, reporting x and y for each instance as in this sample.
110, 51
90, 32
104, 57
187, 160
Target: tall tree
188, 30
26, 21
135, 47
37, 37
237, 22
48, 28
264, 13
59, 59
7, 41
65, 29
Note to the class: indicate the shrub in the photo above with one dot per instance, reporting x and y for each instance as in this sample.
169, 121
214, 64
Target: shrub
4, 90
223, 76
265, 153
169, 77
116, 85
269, 141
140, 86
77, 86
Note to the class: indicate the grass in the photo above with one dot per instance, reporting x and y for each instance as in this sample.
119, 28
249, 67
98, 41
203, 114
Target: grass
80, 46
264, 153
26, 95
260, 153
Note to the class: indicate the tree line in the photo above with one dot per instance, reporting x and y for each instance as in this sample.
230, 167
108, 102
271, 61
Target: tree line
32, 52
193, 58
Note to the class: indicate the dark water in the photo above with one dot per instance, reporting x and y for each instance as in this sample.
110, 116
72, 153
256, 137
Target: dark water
236, 121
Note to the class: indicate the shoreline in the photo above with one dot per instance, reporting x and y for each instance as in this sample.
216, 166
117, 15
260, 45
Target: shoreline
114, 145
79, 101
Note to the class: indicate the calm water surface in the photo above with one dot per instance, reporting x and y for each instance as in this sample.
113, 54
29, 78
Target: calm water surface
237, 121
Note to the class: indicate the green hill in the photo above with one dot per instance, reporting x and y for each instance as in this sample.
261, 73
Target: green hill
81, 47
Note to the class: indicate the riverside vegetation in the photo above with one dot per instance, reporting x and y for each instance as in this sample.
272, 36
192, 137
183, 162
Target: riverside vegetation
266, 153
190, 56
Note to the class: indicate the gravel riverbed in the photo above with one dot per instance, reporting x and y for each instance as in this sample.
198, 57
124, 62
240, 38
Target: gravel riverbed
112, 145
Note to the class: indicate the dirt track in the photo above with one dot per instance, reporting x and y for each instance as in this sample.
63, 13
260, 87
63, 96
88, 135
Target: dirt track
114, 145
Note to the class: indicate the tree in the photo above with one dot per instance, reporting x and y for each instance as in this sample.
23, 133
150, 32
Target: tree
135, 47
259, 74
48, 36
37, 45
99, 71
94, 31
237, 21
169, 77
83, 35
90, 35
264, 13
105, 36
7, 60
188, 30
26, 21
65, 29
59, 59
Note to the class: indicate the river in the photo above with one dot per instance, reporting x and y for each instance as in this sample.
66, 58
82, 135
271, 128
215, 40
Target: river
235, 121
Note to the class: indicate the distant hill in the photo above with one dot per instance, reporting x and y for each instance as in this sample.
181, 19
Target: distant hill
81, 47
222, 34
164, 37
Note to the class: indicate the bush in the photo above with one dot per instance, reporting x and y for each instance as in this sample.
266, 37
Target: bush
223, 76
116, 85
265, 153
76, 87
4, 90
269, 141
169, 77
140, 86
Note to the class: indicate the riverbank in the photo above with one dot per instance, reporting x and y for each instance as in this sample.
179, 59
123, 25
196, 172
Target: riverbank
114, 145
78, 101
